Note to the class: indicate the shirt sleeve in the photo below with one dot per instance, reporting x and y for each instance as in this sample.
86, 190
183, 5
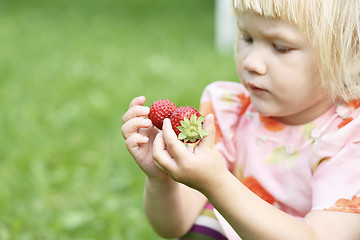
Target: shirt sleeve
336, 176
227, 101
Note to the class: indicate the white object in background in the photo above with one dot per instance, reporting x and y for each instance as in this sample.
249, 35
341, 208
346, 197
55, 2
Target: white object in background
224, 26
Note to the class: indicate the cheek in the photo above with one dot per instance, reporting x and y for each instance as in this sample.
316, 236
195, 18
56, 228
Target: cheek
239, 63
299, 90
295, 75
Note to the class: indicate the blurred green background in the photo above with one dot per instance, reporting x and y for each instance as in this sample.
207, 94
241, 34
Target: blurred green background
68, 70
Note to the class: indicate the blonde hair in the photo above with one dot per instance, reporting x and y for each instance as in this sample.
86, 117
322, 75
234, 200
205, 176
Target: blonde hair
334, 29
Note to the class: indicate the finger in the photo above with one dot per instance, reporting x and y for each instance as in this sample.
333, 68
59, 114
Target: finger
136, 111
132, 126
209, 126
176, 148
169, 134
161, 156
137, 101
132, 143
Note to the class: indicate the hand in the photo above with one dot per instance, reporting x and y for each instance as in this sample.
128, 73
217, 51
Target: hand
197, 169
139, 135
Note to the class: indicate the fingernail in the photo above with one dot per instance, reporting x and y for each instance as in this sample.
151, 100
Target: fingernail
147, 109
148, 122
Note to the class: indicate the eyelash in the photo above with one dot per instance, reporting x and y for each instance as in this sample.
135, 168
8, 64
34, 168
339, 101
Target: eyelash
245, 38
277, 48
281, 49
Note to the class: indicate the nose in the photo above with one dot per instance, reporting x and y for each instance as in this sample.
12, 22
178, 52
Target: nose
254, 61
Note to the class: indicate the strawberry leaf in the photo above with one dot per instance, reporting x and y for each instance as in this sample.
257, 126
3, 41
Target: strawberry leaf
191, 129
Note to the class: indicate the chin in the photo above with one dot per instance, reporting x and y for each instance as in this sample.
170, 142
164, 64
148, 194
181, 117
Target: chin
264, 110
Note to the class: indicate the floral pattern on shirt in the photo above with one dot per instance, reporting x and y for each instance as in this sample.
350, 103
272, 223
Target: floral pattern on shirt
346, 205
253, 185
298, 169
272, 125
245, 101
207, 108
281, 154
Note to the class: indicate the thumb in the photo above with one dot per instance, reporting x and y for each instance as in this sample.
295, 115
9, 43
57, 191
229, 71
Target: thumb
209, 127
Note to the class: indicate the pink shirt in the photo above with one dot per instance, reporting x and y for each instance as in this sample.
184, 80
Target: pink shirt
314, 166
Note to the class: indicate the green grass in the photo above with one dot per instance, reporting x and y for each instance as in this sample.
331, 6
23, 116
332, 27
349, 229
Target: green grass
68, 70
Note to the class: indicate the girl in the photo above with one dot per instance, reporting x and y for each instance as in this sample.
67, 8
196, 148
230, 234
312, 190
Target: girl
282, 158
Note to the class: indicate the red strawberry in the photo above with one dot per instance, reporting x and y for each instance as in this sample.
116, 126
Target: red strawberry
187, 124
160, 110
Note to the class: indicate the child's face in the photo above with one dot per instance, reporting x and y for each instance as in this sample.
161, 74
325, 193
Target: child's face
276, 64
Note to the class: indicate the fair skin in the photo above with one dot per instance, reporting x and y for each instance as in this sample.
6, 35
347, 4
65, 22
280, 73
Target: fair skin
281, 77
276, 64
164, 198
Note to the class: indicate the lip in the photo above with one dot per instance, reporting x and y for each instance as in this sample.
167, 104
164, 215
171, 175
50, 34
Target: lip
256, 89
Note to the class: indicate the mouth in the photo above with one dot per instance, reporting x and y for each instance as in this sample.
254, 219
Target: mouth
256, 89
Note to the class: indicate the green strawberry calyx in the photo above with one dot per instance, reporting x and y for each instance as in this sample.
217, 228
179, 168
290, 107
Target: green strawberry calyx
191, 130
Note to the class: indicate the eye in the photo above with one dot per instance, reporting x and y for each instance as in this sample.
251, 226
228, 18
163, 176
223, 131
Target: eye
281, 49
245, 37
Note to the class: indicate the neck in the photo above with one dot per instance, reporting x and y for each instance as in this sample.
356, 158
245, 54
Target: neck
306, 115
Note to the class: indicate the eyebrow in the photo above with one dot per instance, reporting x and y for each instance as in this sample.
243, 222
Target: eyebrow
274, 34
278, 35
